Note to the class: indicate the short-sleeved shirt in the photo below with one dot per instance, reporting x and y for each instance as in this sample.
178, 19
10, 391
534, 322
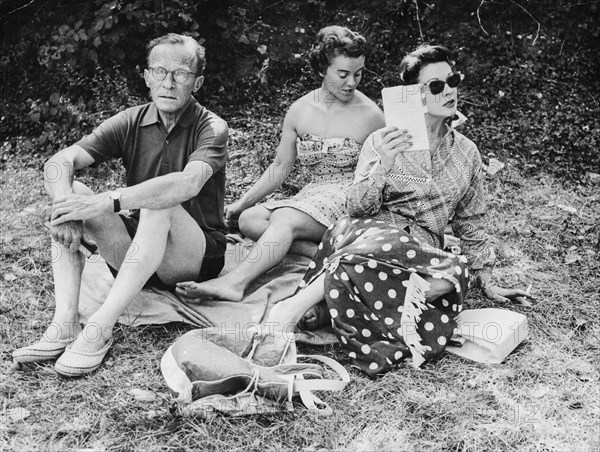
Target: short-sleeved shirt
138, 137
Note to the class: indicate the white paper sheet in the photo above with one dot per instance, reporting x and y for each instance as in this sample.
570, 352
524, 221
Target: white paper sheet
403, 107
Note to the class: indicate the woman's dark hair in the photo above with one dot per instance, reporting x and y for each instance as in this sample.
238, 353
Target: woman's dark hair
333, 41
411, 64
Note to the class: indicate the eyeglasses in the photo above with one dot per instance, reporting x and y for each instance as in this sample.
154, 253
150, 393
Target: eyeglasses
437, 86
160, 73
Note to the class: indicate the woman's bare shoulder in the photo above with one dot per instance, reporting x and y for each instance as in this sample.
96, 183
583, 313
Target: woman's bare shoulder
370, 110
364, 99
301, 105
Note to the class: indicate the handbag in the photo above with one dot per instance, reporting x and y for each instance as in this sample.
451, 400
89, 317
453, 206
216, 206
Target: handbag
210, 371
488, 335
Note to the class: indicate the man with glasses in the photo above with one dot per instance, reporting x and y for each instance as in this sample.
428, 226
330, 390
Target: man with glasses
166, 225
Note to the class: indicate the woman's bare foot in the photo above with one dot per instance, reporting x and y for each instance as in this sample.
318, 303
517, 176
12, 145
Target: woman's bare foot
438, 287
282, 318
222, 288
315, 318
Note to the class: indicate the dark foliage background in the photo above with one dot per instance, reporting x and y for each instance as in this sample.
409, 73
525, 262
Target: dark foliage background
531, 91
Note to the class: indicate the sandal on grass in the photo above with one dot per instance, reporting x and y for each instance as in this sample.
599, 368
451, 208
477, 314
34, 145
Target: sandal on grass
42, 350
316, 317
73, 363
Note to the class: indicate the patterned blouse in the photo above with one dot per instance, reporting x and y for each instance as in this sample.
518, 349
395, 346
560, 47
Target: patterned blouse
423, 194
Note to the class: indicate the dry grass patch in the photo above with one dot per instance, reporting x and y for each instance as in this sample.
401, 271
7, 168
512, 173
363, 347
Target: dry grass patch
544, 397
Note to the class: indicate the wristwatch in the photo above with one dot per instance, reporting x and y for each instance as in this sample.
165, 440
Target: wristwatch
116, 198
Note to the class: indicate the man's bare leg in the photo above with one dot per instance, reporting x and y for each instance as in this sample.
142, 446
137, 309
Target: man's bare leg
67, 267
168, 242
285, 226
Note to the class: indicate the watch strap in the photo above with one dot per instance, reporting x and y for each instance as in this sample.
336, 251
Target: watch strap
116, 197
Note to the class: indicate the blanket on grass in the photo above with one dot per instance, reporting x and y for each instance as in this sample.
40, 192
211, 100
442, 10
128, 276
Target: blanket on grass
155, 306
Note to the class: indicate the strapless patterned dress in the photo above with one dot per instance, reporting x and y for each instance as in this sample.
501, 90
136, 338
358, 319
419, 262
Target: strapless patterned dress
330, 164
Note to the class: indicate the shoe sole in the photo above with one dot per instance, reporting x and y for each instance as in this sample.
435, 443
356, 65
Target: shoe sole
72, 372
31, 355
96, 359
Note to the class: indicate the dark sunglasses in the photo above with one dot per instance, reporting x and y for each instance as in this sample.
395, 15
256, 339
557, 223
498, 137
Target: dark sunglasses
437, 86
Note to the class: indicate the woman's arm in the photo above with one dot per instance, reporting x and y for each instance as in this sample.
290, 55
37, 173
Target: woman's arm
277, 172
376, 160
468, 225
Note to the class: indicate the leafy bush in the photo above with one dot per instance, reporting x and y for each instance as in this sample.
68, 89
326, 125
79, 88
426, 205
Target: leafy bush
531, 65
61, 110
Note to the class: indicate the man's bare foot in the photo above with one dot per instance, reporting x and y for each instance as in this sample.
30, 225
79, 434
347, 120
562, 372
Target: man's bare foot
315, 318
214, 289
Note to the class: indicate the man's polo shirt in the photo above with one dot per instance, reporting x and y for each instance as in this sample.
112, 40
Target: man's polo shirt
138, 137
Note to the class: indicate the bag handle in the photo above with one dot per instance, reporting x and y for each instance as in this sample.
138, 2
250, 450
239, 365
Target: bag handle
323, 384
305, 387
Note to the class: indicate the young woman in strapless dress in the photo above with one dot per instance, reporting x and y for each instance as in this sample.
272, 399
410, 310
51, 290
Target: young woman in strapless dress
323, 130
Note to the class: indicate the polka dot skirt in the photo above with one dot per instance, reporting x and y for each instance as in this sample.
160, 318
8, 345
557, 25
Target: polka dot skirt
376, 288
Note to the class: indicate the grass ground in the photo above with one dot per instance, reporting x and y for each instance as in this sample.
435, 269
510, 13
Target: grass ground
545, 396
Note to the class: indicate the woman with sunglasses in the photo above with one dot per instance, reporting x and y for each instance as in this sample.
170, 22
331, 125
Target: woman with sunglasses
391, 292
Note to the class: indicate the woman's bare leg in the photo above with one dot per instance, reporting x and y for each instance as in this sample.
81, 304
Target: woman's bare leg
287, 313
254, 222
317, 315
285, 225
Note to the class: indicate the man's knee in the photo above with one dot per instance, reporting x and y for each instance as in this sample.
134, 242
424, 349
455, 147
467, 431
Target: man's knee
92, 225
158, 221
81, 189
153, 215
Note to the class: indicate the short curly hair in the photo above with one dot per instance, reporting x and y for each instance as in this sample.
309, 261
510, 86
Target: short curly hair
333, 41
174, 38
411, 64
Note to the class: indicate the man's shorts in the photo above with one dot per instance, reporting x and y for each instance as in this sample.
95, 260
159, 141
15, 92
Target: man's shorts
212, 264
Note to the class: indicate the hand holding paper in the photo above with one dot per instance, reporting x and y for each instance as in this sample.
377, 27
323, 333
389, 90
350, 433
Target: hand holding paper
393, 141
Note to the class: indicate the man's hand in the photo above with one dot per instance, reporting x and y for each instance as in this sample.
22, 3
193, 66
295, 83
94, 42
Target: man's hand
392, 142
75, 207
68, 234
497, 293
